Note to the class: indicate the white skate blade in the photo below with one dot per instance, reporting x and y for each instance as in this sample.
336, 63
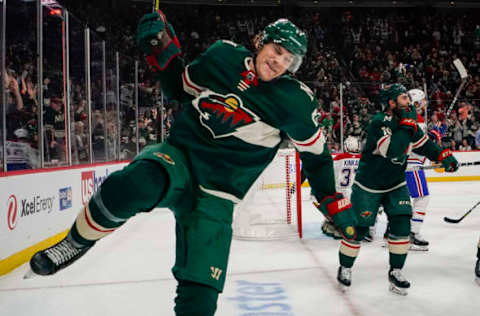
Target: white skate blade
29, 275
397, 290
418, 248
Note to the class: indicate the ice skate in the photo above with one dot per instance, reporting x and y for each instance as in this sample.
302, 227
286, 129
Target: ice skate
398, 283
477, 271
417, 243
55, 258
344, 278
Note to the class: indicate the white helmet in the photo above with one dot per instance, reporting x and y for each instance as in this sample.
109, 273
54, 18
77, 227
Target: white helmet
352, 144
416, 95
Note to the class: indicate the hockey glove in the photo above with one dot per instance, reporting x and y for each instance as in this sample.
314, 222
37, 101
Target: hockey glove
339, 209
156, 38
448, 161
407, 121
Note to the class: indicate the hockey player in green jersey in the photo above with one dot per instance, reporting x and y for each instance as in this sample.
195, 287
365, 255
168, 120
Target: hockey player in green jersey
238, 108
381, 181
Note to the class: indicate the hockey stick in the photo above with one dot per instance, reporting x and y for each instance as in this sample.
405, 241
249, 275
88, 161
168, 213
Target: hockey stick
155, 5
455, 221
463, 75
462, 164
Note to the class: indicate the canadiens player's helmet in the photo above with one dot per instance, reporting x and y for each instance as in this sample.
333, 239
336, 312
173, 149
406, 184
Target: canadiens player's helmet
352, 144
391, 92
289, 36
416, 97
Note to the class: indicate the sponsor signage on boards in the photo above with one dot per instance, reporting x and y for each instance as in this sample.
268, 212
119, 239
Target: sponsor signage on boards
91, 180
22, 207
65, 198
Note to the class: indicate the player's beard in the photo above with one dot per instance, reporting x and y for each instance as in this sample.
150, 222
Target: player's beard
397, 111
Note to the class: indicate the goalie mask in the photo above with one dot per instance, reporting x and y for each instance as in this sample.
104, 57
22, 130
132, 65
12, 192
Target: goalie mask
352, 145
290, 37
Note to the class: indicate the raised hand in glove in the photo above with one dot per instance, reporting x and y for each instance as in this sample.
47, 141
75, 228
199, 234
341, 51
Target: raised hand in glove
407, 121
448, 161
339, 209
156, 38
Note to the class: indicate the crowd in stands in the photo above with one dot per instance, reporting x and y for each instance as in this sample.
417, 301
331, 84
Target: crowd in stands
420, 48
362, 49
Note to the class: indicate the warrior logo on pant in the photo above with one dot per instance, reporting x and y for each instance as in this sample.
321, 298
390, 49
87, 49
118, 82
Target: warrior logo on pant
216, 272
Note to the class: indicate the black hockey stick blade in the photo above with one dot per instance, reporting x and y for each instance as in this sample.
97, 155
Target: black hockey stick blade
452, 220
455, 221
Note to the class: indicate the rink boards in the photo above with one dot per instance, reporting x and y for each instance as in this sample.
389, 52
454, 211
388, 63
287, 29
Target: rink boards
38, 207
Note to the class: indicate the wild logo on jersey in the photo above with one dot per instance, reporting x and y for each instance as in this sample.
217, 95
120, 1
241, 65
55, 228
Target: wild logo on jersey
223, 115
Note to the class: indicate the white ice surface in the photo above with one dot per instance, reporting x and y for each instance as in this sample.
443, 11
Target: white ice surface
128, 273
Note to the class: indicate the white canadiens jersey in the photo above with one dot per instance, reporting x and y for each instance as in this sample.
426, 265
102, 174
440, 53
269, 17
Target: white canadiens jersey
345, 167
413, 158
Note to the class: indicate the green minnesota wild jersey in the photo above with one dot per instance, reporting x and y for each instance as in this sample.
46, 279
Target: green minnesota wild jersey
384, 157
233, 122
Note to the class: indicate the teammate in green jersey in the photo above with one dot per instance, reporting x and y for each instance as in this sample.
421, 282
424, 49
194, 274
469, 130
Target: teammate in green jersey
380, 181
238, 108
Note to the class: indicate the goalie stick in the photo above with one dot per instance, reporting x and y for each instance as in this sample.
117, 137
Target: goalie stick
462, 164
463, 75
458, 220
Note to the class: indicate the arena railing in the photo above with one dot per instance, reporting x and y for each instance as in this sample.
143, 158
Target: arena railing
68, 97
74, 99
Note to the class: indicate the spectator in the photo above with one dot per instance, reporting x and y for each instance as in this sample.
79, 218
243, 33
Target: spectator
54, 124
477, 139
361, 48
464, 146
98, 136
453, 145
80, 143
